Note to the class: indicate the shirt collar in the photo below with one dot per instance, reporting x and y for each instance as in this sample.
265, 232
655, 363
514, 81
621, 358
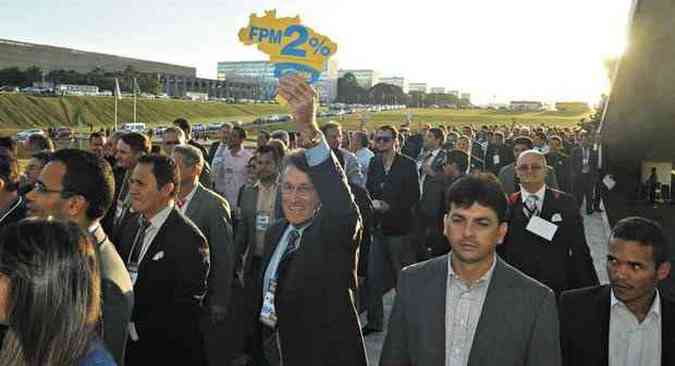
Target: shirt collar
158, 220
654, 309
485, 278
188, 198
539, 193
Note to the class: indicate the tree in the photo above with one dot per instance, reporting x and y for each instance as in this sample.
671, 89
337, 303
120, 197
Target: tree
386, 94
349, 90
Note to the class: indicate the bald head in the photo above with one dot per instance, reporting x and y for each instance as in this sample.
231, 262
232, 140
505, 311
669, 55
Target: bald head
531, 170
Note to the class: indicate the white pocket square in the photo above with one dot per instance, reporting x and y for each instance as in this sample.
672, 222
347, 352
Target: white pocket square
158, 256
556, 218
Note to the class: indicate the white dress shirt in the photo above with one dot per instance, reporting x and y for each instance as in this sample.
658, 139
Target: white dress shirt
540, 196
186, 201
463, 307
632, 343
230, 172
156, 223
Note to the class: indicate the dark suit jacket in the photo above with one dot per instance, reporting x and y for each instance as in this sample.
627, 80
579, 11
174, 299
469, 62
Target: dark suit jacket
118, 295
317, 321
413, 145
564, 263
429, 214
584, 327
211, 213
576, 161
505, 157
400, 189
245, 236
518, 324
168, 293
17, 212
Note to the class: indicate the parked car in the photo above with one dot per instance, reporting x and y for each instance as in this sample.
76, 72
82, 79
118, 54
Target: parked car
25, 134
133, 127
63, 133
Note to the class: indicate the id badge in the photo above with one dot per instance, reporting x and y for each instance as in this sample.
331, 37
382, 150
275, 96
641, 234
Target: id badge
495, 159
268, 315
262, 222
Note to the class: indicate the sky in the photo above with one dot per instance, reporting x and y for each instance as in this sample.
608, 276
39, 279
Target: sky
546, 50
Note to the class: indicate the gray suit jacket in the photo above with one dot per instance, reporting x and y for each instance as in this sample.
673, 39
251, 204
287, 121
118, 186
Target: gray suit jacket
507, 175
245, 236
518, 324
211, 214
118, 295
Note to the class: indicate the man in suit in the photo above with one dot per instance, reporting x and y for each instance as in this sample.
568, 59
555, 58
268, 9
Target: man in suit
260, 207
173, 136
168, 260
626, 322
507, 175
333, 132
559, 160
309, 272
498, 154
470, 307
584, 162
211, 214
558, 256
130, 147
78, 186
225, 132
393, 183
12, 205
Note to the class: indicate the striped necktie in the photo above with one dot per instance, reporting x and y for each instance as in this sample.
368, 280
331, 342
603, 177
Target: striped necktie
530, 207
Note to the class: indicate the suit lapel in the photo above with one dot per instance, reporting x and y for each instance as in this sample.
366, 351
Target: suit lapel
603, 318
547, 205
438, 291
195, 202
155, 246
495, 310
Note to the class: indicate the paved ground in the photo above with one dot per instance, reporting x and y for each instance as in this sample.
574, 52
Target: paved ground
597, 231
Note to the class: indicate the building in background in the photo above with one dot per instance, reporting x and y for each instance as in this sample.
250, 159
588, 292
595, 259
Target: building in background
327, 85
417, 87
465, 96
525, 105
366, 78
438, 90
454, 92
397, 81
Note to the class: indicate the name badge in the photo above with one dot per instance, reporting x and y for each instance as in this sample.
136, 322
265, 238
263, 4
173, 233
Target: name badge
541, 228
119, 208
262, 222
495, 159
268, 315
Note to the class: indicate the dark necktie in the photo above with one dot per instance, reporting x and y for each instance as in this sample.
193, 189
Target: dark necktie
137, 246
530, 208
293, 244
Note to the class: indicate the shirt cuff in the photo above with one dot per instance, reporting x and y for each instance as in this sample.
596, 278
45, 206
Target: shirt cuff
319, 153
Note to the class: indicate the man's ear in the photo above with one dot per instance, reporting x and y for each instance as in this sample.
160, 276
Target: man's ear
503, 229
663, 270
2, 184
168, 189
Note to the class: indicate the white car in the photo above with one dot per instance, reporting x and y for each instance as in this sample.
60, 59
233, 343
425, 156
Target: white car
25, 134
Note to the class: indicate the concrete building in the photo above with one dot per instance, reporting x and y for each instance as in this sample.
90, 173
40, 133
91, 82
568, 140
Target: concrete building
261, 73
396, 80
418, 87
526, 105
438, 90
50, 58
366, 78
454, 92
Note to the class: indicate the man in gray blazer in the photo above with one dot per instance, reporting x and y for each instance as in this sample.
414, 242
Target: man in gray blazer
507, 175
470, 307
211, 214
78, 186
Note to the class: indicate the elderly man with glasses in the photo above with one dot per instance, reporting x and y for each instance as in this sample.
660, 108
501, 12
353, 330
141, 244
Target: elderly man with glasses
546, 238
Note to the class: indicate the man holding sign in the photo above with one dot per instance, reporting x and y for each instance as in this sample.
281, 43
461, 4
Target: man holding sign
309, 259
546, 238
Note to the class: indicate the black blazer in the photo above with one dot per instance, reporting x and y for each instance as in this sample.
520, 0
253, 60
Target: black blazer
168, 293
505, 157
576, 160
316, 318
565, 263
16, 213
584, 327
400, 189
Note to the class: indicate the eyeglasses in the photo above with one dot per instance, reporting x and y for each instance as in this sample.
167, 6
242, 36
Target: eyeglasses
383, 138
303, 190
41, 188
533, 167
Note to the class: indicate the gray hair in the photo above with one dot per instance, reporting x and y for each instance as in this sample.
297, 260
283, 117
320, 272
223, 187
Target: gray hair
180, 134
192, 156
283, 136
533, 152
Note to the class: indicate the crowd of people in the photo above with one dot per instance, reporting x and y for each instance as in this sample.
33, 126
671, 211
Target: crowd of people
183, 254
